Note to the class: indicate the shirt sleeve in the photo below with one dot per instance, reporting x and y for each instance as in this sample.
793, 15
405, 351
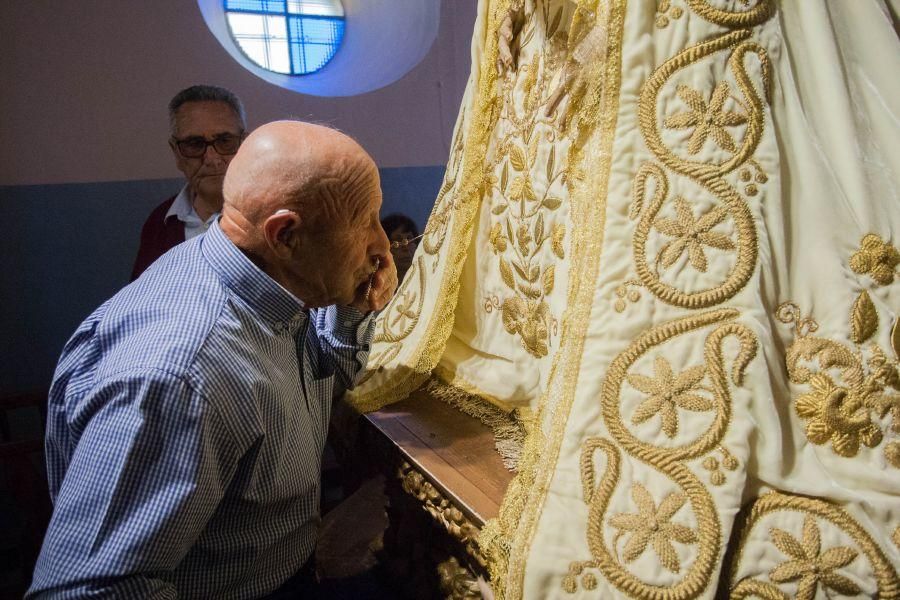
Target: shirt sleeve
151, 465
344, 335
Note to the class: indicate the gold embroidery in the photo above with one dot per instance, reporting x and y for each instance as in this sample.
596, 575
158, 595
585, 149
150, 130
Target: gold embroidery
739, 18
706, 118
663, 7
806, 563
398, 320
652, 525
691, 234
453, 220
895, 537
876, 258
506, 540
844, 412
667, 460
714, 466
521, 193
667, 393
439, 220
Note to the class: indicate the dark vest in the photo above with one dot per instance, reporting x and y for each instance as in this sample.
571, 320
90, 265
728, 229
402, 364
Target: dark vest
158, 236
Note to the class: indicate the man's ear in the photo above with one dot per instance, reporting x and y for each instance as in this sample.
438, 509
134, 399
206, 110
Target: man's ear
281, 230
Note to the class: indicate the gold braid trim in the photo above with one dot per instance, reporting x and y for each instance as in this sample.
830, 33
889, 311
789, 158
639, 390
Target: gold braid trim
755, 16
886, 576
431, 344
506, 540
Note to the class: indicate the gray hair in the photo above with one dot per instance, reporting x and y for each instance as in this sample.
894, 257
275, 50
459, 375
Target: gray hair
206, 93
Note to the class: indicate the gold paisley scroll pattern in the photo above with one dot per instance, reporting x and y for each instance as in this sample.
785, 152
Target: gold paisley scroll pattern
852, 391
668, 461
711, 176
523, 219
886, 577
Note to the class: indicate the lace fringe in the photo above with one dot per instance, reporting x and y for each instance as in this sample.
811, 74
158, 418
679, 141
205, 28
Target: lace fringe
508, 428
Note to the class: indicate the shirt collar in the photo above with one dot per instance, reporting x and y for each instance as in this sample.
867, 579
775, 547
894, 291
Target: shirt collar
181, 207
281, 309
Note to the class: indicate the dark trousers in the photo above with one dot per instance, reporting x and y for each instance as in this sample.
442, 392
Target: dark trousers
302, 585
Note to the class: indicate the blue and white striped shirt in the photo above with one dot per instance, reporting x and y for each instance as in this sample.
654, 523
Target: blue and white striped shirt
185, 430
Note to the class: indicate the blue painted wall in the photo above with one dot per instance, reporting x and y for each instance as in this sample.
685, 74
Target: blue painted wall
67, 248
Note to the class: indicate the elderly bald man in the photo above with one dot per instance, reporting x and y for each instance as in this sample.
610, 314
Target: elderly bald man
188, 413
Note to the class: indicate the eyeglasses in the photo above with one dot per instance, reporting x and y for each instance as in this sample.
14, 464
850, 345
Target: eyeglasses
195, 147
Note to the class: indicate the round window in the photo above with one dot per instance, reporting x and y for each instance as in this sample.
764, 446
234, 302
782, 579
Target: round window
293, 37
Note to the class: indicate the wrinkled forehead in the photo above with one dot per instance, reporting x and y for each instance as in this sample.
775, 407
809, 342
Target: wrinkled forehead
351, 191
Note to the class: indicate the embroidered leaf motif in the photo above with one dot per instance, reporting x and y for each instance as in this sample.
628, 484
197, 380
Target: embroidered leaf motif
554, 25
551, 160
551, 202
506, 274
517, 158
539, 228
895, 338
863, 318
549, 277
504, 177
520, 270
556, 240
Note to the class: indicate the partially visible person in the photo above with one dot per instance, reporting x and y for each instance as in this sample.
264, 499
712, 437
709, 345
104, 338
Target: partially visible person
402, 232
188, 413
206, 125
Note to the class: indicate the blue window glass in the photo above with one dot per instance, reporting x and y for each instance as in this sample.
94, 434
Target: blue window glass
294, 37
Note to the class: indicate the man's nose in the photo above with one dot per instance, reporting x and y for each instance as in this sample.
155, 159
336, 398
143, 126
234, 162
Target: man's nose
211, 156
381, 245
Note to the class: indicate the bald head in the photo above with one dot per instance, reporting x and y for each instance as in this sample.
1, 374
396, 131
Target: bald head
317, 171
302, 201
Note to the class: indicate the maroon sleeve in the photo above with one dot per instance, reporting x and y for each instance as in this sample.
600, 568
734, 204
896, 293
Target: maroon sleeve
158, 236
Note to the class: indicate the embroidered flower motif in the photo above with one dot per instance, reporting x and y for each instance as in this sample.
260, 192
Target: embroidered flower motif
404, 309
528, 319
838, 414
706, 119
691, 234
875, 258
810, 565
498, 240
652, 526
668, 392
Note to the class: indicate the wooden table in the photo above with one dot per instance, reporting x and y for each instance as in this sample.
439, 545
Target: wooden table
445, 479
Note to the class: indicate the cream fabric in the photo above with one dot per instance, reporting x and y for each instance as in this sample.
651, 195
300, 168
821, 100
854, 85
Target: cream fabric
722, 332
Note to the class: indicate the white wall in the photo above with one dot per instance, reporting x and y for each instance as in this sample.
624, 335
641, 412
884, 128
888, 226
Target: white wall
84, 87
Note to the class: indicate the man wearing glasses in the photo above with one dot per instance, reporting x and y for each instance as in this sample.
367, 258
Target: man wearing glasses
207, 127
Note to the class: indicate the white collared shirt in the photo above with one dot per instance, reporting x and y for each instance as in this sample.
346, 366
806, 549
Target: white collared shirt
184, 211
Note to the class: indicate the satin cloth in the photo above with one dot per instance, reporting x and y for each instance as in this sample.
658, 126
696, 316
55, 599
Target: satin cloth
669, 233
